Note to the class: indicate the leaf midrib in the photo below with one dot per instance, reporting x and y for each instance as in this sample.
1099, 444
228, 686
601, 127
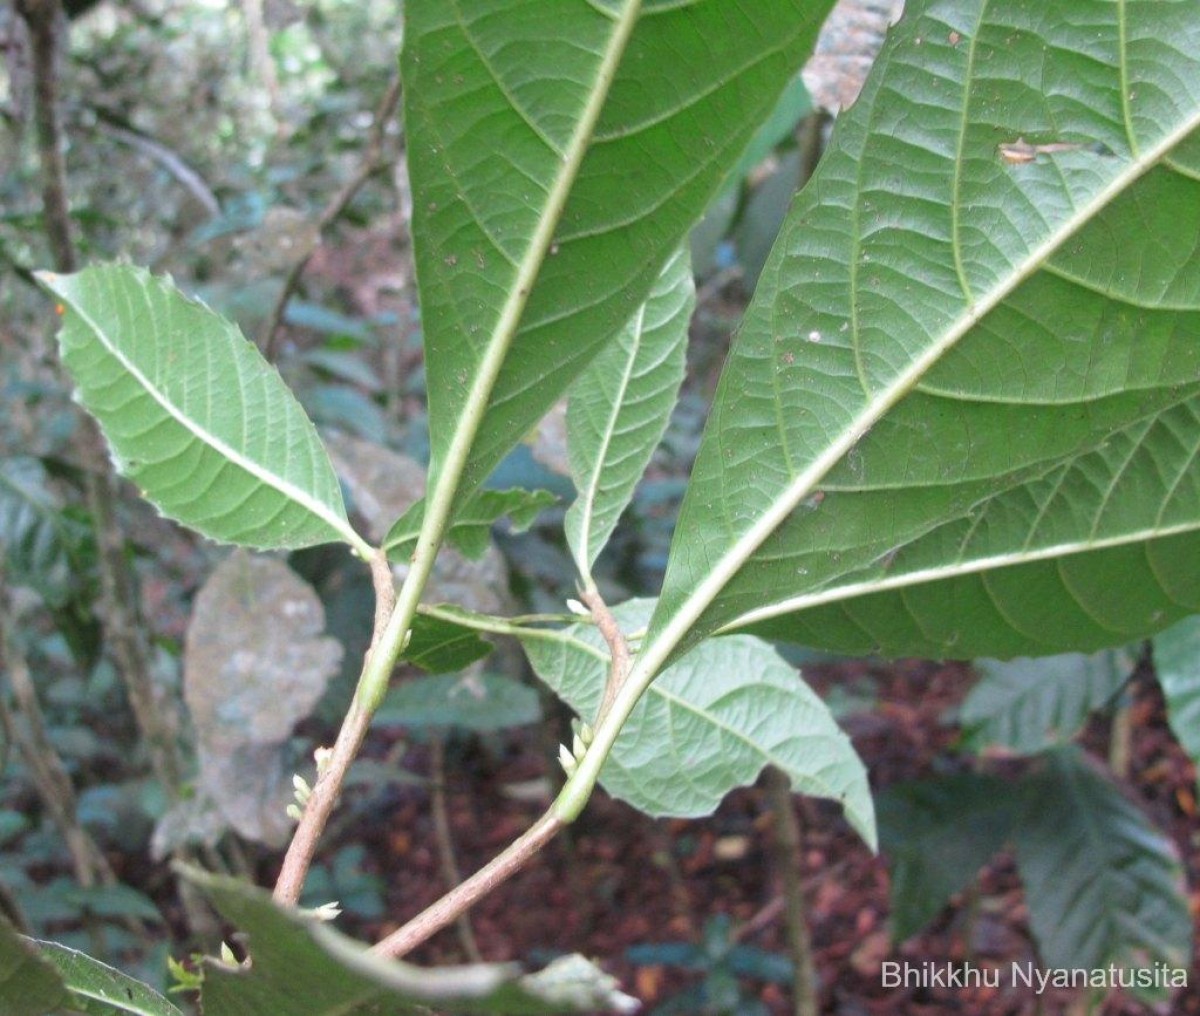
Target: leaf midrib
445, 485
656, 652
592, 486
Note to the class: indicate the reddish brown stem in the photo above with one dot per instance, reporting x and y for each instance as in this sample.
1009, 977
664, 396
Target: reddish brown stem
465, 895
328, 787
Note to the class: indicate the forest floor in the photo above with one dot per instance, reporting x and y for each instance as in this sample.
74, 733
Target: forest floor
619, 879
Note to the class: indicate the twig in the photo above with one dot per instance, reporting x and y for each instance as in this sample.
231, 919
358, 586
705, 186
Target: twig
123, 627
46, 767
787, 860
332, 774
119, 611
467, 893
42, 17
445, 842
618, 648
259, 45
371, 162
763, 919
192, 181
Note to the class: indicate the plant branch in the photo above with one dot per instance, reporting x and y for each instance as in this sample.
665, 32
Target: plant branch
788, 845
466, 894
119, 608
43, 18
618, 648
46, 768
371, 163
445, 842
330, 777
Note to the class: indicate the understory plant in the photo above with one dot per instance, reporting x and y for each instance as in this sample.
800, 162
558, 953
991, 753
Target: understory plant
959, 417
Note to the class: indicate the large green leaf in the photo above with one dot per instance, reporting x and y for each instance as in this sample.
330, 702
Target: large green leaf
1177, 663
194, 415
302, 967
620, 406
710, 723
1103, 884
559, 151
962, 412
1026, 705
938, 833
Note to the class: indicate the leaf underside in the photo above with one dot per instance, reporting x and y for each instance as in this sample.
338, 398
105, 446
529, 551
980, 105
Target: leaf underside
557, 161
193, 413
1103, 884
1025, 705
969, 383
1177, 663
709, 724
619, 409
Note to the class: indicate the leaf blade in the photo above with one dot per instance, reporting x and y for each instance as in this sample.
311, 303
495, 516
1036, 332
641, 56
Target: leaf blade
1026, 705
730, 709
619, 408
878, 321
606, 165
194, 414
1103, 884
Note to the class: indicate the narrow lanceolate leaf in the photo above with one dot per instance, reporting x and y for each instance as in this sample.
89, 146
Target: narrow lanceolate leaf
1103, 884
710, 723
969, 383
194, 415
1026, 705
619, 408
1177, 663
560, 150
304, 968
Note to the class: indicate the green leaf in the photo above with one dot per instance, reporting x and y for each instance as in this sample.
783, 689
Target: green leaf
961, 413
439, 646
710, 723
938, 833
1103, 884
559, 152
1026, 705
302, 967
471, 531
100, 990
36, 536
29, 984
619, 409
474, 702
1177, 663
194, 415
